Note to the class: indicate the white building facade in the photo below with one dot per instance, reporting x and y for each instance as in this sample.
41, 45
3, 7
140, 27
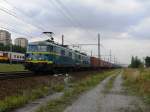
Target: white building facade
5, 37
22, 42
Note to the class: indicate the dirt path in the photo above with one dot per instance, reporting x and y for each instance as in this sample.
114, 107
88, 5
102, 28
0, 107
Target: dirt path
114, 101
89, 101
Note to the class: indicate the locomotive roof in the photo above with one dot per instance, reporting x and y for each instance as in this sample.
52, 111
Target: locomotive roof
48, 42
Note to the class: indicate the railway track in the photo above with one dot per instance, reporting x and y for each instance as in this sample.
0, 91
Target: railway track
15, 75
24, 74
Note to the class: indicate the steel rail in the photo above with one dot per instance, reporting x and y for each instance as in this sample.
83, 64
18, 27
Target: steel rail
15, 75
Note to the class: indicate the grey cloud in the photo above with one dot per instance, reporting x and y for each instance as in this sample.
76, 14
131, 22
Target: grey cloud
89, 17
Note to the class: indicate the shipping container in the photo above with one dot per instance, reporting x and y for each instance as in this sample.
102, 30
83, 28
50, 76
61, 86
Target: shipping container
95, 62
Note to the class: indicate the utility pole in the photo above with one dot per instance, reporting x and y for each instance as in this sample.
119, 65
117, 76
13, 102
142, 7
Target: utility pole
110, 56
114, 59
104, 58
62, 40
91, 53
108, 59
99, 52
11, 45
99, 49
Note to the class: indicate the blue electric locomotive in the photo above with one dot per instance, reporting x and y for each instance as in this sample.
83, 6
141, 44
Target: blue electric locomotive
49, 56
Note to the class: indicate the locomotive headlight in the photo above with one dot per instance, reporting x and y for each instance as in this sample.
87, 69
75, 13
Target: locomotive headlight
40, 58
29, 58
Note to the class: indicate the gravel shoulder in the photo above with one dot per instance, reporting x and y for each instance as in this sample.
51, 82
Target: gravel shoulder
116, 100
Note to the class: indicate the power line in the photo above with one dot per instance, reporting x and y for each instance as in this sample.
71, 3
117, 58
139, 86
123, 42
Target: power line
11, 27
67, 11
64, 13
14, 31
18, 10
15, 16
73, 18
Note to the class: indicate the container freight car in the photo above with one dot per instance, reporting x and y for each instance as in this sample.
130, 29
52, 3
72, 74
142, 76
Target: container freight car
95, 62
106, 64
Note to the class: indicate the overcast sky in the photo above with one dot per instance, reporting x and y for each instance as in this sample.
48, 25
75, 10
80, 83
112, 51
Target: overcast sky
123, 24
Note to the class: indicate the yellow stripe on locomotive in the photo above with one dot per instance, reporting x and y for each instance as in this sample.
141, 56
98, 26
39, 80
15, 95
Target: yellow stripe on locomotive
37, 61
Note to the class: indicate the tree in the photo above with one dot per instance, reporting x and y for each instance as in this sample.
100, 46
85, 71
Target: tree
135, 62
14, 48
147, 61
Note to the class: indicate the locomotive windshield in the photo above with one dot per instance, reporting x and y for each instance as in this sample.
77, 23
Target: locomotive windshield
38, 56
40, 48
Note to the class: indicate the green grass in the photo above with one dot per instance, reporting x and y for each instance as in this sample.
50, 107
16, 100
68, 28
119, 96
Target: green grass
69, 96
138, 84
13, 102
11, 67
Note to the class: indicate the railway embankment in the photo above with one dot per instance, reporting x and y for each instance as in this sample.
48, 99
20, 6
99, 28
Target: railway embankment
15, 93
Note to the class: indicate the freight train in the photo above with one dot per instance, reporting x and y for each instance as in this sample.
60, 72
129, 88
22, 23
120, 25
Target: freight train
14, 57
48, 56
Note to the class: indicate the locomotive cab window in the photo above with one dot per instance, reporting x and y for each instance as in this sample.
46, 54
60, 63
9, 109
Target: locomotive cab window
49, 48
42, 48
70, 54
62, 52
32, 48
79, 56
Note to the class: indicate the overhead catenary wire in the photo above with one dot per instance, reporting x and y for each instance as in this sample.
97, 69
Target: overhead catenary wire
7, 11
68, 15
68, 20
8, 26
25, 14
62, 12
73, 18
16, 32
15, 8
14, 14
